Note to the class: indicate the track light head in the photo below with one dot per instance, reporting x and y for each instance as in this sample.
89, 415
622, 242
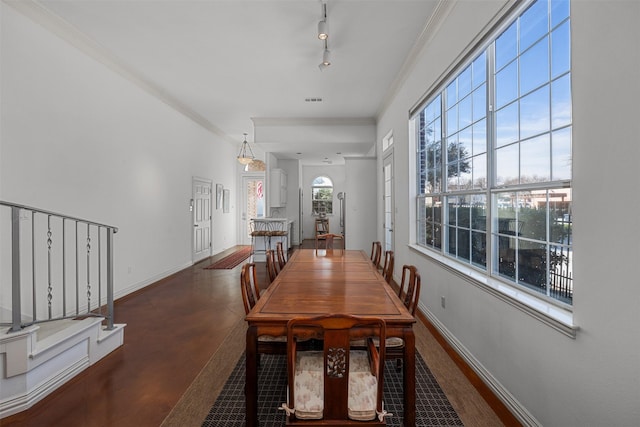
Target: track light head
323, 29
323, 25
326, 59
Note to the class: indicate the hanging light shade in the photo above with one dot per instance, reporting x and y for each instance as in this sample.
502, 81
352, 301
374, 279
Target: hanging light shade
245, 156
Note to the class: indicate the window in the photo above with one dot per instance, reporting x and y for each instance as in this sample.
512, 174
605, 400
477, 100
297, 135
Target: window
493, 152
387, 142
322, 196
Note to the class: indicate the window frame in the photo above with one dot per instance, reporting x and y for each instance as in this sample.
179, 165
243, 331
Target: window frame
315, 201
487, 275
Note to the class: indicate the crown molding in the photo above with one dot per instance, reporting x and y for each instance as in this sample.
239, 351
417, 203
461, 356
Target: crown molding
39, 14
430, 29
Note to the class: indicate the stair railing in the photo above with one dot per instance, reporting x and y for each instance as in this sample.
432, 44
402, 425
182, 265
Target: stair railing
57, 262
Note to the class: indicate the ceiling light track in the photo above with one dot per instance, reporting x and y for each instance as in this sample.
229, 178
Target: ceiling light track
323, 34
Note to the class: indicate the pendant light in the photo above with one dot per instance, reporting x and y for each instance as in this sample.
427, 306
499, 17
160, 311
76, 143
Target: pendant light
245, 156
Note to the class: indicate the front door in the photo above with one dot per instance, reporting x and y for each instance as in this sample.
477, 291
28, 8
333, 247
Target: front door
201, 206
252, 204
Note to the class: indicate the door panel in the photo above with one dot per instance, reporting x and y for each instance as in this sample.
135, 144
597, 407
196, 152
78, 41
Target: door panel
201, 219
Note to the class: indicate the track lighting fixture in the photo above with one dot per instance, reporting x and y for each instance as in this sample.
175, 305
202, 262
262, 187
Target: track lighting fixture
326, 57
323, 34
323, 26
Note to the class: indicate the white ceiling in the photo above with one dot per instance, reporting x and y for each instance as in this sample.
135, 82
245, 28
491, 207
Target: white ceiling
236, 62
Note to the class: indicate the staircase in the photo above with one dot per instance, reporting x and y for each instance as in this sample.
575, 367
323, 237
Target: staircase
56, 309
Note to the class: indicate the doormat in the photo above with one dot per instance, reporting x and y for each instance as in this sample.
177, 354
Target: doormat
232, 260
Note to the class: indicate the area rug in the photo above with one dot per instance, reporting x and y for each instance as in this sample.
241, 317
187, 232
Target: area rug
230, 261
432, 406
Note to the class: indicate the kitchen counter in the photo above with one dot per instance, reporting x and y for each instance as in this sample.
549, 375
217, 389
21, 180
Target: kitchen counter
272, 219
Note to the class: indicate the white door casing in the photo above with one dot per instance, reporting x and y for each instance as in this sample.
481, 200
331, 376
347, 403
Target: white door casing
388, 202
202, 219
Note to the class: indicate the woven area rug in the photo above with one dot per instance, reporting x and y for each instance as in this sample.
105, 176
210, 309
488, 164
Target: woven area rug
232, 260
432, 406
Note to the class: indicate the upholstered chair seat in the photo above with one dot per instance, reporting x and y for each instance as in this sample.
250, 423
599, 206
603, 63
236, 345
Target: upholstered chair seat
309, 386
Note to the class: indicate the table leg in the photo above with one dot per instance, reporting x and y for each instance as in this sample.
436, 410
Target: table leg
251, 384
409, 370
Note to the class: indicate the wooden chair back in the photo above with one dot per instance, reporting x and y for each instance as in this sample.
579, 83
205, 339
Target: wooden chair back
409, 291
387, 270
272, 268
250, 296
249, 286
280, 254
376, 253
336, 333
329, 241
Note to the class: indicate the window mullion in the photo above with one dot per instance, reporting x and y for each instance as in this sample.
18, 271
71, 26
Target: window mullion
444, 197
491, 170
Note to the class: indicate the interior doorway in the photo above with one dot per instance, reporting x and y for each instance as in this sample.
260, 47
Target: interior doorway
389, 203
253, 205
202, 221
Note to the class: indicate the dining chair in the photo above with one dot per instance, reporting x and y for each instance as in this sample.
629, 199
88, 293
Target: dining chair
409, 291
249, 286
272, 268
280, 255
329, 241
335, 385
387, 269
409, 294
376, 253
250, 296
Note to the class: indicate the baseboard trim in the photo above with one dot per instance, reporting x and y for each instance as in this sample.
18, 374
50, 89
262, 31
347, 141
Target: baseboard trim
26, 401
122, 293
504, 404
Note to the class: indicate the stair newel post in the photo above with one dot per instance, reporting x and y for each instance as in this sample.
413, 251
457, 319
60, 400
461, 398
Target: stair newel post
16, 315
110, 313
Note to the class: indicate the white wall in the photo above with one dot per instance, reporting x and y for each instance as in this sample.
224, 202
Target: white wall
361, 216
80, 139
594, 379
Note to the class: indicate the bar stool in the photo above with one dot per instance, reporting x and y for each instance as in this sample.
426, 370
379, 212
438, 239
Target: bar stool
280, 229
260, 229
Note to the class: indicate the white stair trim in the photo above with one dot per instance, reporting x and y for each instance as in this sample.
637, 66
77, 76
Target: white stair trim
36, 361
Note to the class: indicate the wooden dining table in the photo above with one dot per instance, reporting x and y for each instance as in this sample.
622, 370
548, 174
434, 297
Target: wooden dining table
316, 282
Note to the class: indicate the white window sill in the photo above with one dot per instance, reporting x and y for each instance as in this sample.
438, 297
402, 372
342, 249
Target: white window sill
555, 316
